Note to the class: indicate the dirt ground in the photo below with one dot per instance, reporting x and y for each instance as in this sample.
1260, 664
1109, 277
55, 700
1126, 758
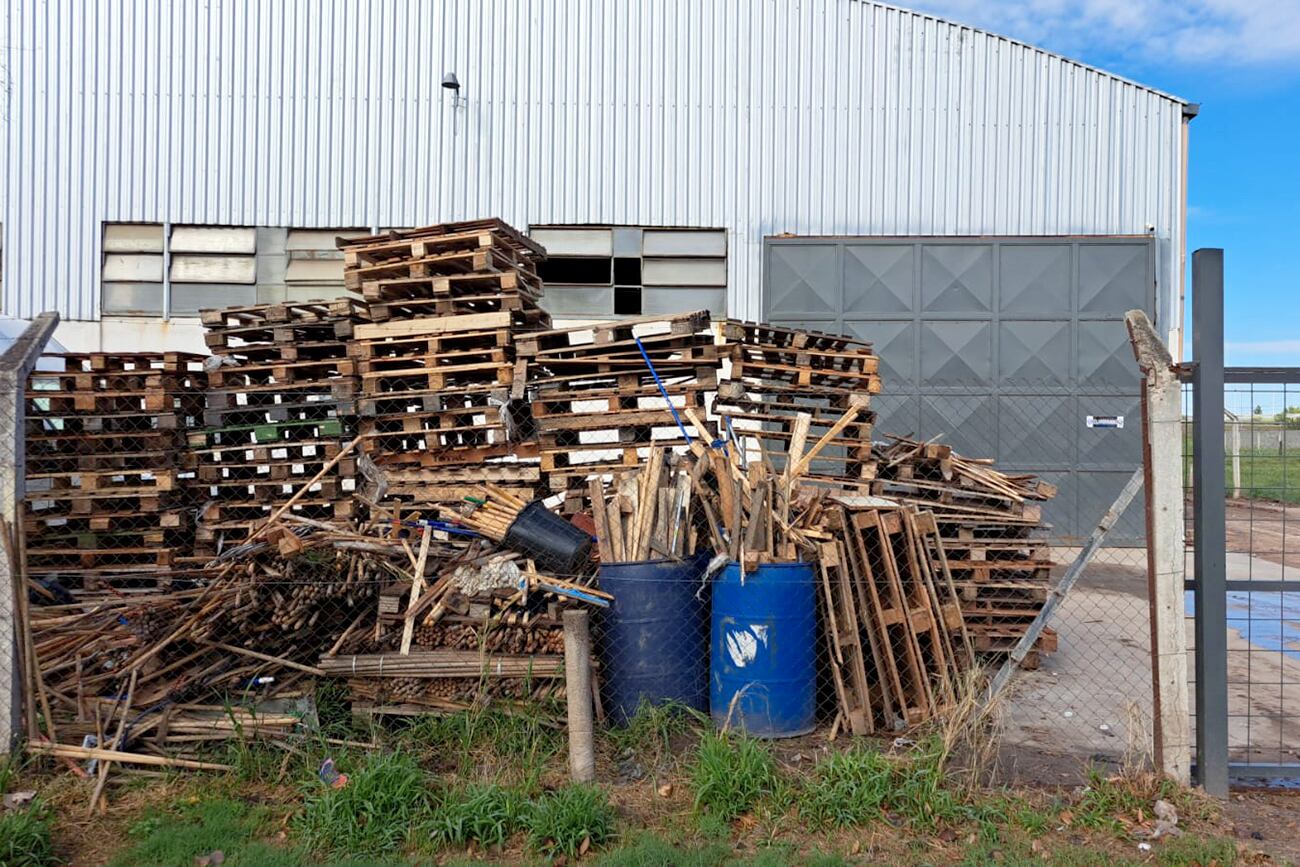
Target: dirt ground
1091, 701
1265, 530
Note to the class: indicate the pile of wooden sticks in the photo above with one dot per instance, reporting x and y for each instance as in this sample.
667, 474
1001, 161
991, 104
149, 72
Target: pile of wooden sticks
492, 512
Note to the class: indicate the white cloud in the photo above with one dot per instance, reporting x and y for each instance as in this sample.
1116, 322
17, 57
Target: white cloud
1195, 32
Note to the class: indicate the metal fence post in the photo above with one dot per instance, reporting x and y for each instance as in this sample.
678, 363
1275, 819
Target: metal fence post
1209, 527
16, 362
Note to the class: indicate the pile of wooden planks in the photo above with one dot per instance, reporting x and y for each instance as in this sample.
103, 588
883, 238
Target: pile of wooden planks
279, 401
605, 394
104, 477
896, 639
993, 535
778, 375
442, 392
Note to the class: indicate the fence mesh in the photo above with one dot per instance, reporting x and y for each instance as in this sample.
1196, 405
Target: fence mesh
1262, 483
347, 494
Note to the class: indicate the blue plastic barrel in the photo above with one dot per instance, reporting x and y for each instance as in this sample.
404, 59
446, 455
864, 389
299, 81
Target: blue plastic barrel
763, 650
654, 637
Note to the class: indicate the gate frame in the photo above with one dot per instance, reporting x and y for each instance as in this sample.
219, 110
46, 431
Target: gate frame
1209, 582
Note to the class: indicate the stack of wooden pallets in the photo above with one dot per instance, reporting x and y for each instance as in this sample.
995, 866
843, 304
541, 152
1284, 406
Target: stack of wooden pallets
599, 393
778, 374
992, 528
442, 393
891, 617
278, 408
104, 440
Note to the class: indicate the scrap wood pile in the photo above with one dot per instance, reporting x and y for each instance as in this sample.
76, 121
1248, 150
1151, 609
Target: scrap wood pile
992, 528
786, 384
280, 397
411, 623
442, 391
430, 590
104, 463
604, 394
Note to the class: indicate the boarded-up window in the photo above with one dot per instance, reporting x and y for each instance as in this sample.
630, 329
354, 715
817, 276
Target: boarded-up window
132, 270
604, 271
314, 263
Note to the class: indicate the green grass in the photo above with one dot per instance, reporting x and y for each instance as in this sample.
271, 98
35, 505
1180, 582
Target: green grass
514, 747
1267, 475
649, 734
559, 822
25, 837
846, 789
732, 774
177, 837
482, 813
387, 796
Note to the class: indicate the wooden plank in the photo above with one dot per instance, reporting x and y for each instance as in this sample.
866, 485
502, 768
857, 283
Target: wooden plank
433, 325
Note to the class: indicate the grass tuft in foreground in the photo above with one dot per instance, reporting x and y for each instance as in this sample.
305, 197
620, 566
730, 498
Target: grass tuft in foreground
732, 774
482, 813
567, 820
25, 837
847, 789
198, 828
372, 815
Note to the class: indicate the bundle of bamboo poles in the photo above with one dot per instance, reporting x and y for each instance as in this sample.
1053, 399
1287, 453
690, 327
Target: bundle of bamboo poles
492, 512
445, 663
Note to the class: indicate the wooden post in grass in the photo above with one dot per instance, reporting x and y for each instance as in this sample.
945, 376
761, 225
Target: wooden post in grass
1162, 447
577, 688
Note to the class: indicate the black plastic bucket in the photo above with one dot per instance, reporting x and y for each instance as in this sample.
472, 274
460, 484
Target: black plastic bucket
555, 545
654, 637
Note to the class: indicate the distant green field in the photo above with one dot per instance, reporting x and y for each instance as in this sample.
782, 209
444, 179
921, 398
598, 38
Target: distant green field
1266, 474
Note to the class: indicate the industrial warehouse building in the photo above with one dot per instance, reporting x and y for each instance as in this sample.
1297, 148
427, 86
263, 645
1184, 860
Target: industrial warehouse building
983, 210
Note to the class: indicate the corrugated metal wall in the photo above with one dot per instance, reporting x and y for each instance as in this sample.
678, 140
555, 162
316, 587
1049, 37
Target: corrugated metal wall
760, 116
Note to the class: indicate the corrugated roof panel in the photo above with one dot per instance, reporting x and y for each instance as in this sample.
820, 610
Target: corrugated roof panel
833, 116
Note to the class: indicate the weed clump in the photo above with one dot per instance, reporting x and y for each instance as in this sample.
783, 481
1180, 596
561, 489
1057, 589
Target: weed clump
484, 813
731, 775
559, 822
25, 837
371, 815
847, 789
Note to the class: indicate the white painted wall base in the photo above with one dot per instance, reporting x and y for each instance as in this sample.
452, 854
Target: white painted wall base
132, 334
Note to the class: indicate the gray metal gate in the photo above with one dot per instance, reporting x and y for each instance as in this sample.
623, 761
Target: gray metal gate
1245, 563
1010, 348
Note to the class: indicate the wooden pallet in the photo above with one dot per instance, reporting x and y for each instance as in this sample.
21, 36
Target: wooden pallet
289, 312
844, 642
359, 276
660, 334
522, 244
278, 374
267, 434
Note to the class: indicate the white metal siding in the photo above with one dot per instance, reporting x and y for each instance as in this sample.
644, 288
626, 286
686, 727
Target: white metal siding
760, 116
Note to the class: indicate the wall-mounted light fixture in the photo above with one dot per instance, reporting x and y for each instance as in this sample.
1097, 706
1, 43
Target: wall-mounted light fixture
452, 83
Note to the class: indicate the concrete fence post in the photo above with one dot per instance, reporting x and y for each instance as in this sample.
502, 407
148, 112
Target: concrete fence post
577, 687
1162, 422
15, 364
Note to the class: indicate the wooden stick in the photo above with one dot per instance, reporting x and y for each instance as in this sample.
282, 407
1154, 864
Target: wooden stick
44, 748
117, 742
417, 586
333, 462
264, 657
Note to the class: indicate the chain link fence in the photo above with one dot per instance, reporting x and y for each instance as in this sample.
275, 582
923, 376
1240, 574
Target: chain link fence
251, 544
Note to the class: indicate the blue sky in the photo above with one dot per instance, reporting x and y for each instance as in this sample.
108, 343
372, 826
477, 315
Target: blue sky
1241, 61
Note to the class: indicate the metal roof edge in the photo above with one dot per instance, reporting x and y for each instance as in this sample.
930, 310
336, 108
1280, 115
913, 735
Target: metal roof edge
1021, 43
